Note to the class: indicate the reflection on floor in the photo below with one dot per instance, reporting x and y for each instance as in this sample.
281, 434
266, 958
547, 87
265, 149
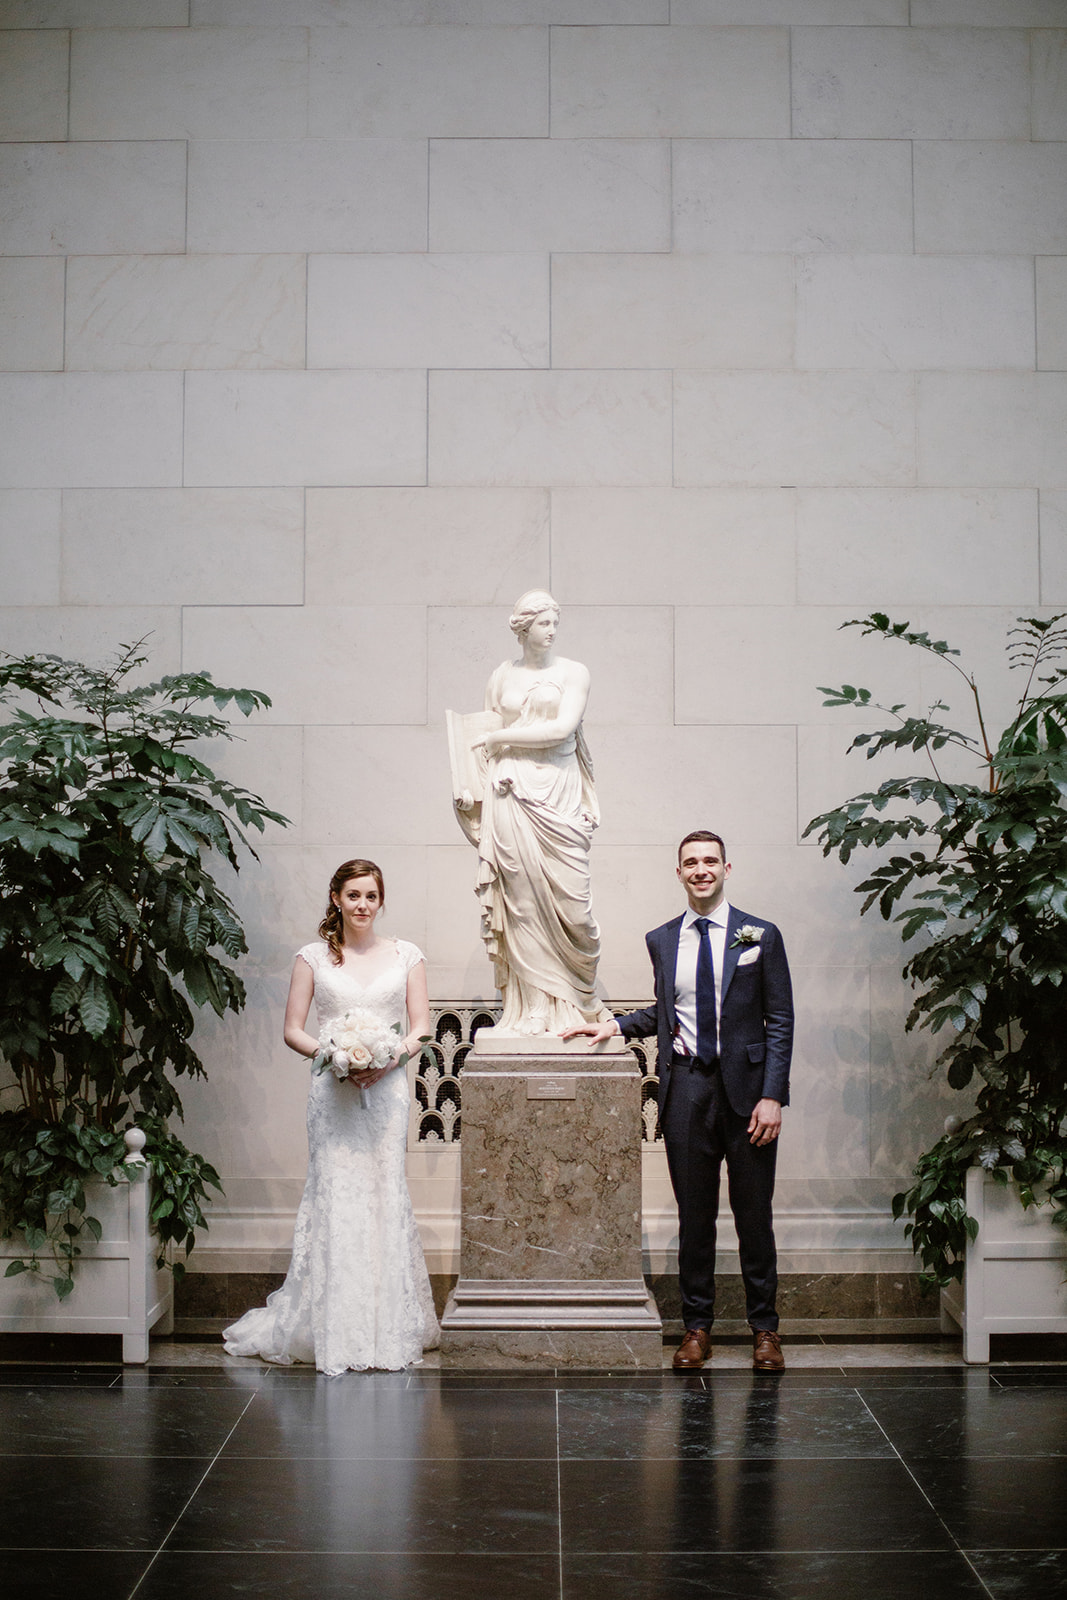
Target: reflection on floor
883, 1471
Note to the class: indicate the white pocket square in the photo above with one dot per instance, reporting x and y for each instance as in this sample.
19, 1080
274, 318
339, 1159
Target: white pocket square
748, 956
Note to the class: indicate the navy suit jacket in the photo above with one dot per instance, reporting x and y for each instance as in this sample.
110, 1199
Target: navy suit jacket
756, 1019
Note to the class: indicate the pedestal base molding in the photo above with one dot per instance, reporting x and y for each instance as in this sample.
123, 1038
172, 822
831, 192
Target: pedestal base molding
565, 1322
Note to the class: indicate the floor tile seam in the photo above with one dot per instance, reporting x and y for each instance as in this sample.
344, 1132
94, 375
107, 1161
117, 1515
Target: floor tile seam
696, 1461
68, 1367
379, 1461
433, 1384
559, 1499
739, 1384
1000, 1386
142, 1399
1015, 1550
999, 1455
187, 1377
1006, 1388
188, 1502
546, 1380
548, 1553
341, 1555
43, 1380
772, 1554
56, 1370
421, 1552
933, 1509
124, 1387
99, 1455
924, 1388
763, 1550
985, 1587
78, 1550
166, 1388
892, 1454
500, 1555
484, 1396
795, 1391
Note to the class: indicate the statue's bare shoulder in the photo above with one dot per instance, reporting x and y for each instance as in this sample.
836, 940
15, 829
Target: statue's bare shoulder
575, 673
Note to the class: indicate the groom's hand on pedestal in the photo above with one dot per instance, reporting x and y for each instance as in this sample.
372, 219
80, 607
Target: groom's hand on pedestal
599, 1032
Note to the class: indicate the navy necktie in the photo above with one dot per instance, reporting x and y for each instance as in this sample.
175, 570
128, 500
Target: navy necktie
707, 1030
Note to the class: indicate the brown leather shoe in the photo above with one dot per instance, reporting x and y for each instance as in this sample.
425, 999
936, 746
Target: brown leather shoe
767, 1351
693, 1351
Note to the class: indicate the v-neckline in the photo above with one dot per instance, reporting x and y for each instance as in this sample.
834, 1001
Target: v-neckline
372, 981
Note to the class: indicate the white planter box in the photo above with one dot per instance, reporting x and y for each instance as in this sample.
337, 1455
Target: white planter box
1015, 1272
117, 1285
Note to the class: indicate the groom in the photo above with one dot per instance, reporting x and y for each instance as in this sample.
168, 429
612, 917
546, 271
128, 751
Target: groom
723, 1017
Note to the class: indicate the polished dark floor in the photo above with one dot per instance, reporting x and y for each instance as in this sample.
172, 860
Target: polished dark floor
197, 1483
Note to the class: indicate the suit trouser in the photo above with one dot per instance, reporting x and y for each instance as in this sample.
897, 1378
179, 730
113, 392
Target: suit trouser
701, 1130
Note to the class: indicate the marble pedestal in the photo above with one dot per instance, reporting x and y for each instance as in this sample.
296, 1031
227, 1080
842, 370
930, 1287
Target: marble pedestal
550, 1243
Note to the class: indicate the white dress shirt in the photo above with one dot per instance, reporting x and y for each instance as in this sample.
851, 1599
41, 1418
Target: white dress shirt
685, 973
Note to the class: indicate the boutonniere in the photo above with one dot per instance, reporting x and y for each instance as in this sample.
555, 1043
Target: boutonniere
747, 934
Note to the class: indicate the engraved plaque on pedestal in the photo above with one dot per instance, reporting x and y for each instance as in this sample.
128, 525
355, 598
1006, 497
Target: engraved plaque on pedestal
550, 1252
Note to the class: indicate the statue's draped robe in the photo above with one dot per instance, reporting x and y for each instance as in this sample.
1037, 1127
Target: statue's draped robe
533, 837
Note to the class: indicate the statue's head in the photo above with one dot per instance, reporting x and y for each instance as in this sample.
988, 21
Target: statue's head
528, 607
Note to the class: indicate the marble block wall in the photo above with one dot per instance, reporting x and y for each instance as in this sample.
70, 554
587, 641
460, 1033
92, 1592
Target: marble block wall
328, 326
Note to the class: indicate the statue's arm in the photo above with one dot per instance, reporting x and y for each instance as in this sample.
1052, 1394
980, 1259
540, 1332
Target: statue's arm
539, 735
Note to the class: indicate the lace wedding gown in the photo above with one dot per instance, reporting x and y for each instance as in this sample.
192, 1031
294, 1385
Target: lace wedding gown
357, 1294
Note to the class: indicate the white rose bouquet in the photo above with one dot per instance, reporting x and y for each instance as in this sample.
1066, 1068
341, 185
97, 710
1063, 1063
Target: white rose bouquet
357, 1042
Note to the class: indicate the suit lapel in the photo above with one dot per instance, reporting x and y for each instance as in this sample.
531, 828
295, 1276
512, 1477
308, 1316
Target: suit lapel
730, 956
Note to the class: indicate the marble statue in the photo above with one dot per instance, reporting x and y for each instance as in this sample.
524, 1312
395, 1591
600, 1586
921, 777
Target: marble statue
524, 795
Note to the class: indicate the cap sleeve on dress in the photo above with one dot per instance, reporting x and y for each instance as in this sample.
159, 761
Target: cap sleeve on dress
314, 954
410, 954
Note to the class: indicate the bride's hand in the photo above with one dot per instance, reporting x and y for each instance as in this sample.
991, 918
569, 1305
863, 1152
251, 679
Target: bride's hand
390, 1066
365, 1080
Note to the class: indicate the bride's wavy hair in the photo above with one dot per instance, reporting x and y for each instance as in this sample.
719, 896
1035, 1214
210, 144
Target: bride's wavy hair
332, 927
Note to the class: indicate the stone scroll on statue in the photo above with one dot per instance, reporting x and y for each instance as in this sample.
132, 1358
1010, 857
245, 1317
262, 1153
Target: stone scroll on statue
524, 795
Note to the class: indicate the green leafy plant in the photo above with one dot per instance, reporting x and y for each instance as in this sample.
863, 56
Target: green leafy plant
112, 929
985, 897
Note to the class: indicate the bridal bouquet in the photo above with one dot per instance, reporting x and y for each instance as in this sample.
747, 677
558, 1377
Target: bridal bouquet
356, 1042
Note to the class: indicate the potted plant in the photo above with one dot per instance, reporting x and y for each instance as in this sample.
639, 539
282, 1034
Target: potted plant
984, 895
112, 929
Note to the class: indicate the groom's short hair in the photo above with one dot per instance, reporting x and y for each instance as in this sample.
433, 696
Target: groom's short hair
702, 833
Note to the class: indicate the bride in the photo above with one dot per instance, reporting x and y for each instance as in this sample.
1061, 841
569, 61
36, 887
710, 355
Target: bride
357, 1294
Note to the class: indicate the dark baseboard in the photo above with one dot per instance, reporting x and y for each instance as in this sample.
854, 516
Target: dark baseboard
229, 1295
861, 1297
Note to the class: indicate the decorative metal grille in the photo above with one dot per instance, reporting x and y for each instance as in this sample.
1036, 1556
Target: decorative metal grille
438, 1113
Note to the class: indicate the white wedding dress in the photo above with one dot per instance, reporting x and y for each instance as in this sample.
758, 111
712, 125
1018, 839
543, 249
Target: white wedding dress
357, 1294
